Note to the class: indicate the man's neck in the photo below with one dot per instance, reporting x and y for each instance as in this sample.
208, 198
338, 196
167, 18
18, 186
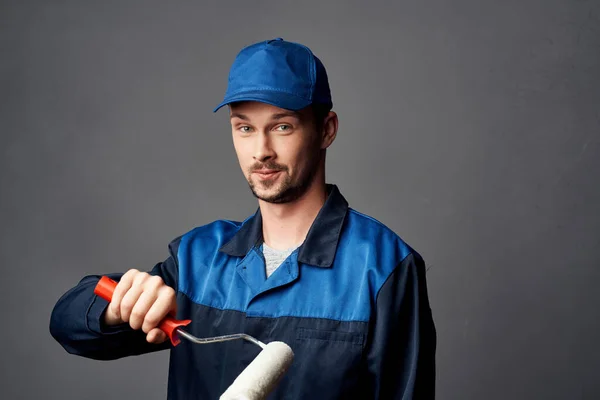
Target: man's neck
286, 225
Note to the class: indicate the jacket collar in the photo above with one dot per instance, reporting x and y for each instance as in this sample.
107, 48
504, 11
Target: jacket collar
322, 239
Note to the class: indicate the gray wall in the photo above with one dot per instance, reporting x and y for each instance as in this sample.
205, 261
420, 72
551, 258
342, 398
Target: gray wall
471, 128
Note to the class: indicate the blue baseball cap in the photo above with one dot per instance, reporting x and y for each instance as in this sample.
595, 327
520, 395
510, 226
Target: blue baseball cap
284, 74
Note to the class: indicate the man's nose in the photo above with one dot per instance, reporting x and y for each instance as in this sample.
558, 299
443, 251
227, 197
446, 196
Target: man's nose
264, 150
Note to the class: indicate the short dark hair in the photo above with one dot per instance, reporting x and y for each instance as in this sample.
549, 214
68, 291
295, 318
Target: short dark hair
320, 112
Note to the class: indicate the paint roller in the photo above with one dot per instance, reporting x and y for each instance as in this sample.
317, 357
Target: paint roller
256, 381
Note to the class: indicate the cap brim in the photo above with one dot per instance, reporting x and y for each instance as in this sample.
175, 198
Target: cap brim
277, 99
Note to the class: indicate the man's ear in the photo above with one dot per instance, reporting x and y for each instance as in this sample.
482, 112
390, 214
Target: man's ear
329, 131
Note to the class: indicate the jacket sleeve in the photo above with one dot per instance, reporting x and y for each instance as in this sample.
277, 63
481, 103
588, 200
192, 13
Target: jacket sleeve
402, 343
76, 322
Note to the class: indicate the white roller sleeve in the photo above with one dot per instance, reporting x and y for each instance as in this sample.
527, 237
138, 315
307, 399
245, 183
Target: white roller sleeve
262, 375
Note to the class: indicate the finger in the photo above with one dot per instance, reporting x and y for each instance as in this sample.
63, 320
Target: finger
156, 336
144, 302
129, 300
163, 305
121, 289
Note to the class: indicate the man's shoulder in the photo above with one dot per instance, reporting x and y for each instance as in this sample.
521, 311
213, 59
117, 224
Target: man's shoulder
369, 221
369, 224
372, 233
219, 227
216, 231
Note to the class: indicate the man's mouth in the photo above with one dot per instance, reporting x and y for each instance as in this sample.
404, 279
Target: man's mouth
266, 173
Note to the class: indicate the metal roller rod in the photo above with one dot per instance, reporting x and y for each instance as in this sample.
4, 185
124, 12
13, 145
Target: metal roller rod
224, 338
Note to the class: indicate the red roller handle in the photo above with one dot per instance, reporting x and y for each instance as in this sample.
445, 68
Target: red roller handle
105, 288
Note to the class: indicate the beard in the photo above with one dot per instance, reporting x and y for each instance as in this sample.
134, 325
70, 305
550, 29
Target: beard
286, 189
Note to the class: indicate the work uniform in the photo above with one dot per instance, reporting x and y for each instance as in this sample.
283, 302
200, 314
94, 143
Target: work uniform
351, 302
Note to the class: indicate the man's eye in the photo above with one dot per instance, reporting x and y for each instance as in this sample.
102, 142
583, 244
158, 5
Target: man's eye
284, 128
245, 129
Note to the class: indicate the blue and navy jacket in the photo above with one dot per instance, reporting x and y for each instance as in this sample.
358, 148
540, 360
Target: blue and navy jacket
351, 302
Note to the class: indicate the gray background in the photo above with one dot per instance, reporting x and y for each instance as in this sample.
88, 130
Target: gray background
471, 128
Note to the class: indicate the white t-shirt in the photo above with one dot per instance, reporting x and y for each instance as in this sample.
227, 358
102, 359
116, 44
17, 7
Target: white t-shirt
274, 258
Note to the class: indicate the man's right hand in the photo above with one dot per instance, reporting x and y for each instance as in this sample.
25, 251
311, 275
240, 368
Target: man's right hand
143, 301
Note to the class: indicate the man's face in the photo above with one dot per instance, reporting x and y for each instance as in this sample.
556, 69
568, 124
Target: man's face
278, 150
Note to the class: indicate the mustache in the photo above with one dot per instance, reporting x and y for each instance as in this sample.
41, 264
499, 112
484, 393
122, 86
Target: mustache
268, 165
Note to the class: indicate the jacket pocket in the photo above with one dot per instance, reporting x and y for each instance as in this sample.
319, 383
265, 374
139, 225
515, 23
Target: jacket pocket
352, 338
328, 363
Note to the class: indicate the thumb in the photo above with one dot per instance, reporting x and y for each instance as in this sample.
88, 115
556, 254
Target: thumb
156, 336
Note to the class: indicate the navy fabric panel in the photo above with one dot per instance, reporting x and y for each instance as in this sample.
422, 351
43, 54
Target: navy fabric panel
366, 255
401, 350
327, 354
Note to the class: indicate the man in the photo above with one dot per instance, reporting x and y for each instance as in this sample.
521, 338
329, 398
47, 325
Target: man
345, 292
